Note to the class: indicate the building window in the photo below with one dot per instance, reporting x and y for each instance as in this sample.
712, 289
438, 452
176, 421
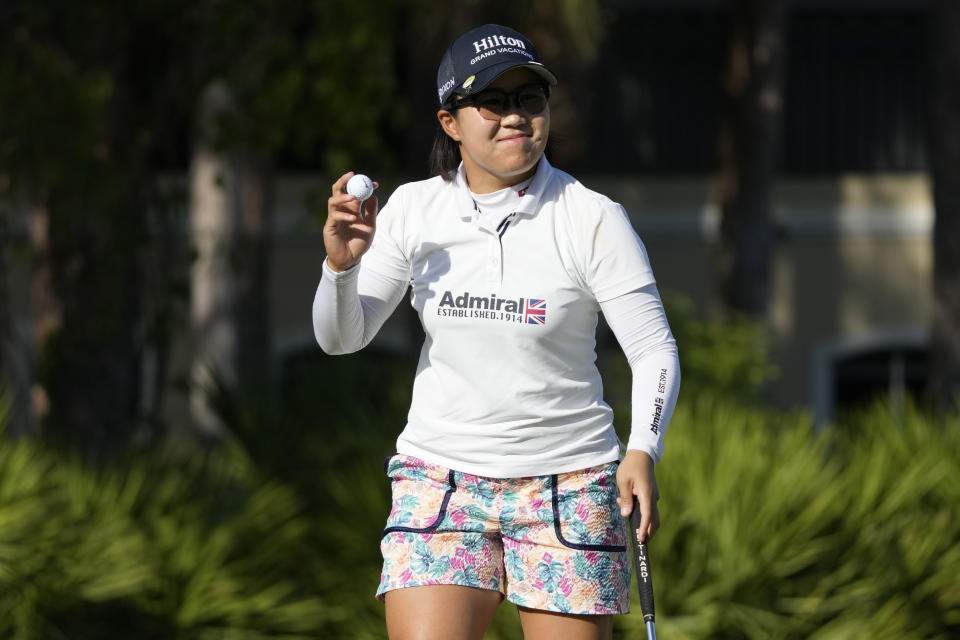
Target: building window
853, 374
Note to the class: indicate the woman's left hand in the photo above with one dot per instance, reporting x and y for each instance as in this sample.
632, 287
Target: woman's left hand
635, 477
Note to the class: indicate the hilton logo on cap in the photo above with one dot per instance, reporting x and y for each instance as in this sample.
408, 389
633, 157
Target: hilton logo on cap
497, 44
497, 41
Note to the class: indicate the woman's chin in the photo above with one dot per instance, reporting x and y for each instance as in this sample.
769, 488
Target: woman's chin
521, 164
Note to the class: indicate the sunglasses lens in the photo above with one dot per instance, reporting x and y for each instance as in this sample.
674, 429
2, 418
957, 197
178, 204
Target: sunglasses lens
533, 102
493, 104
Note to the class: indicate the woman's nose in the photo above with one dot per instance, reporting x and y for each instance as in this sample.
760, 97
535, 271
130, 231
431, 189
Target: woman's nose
513, 117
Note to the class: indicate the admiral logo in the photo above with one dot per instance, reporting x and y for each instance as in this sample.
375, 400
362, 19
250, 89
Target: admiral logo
657, 414
518, 310
658, 403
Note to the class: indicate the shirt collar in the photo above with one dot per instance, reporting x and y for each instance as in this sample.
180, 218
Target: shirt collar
529, 199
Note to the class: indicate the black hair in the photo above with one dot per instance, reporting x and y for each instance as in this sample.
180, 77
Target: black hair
444, 156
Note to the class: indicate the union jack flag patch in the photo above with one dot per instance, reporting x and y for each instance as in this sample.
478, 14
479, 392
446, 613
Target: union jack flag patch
535, 312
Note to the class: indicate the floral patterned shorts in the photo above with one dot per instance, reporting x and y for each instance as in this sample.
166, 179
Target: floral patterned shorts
555, 543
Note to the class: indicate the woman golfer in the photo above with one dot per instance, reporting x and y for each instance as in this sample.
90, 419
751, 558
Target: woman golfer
508, 481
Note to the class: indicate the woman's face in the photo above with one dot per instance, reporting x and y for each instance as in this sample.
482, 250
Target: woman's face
498, 153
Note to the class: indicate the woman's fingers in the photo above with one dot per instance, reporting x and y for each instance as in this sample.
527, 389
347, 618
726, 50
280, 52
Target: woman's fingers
625, 499
346, 217
649, 517
370, 208
636, 480
347, 233
344, 204
343, 201
645, 502
340, 186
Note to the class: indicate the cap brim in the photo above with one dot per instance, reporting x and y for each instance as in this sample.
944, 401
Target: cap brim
485, 77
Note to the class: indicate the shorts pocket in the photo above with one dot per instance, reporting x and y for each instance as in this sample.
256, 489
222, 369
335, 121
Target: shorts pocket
420, 495
586, 516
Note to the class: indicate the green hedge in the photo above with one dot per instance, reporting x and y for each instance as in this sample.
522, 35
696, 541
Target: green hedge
770, 530
773, 531
151, 549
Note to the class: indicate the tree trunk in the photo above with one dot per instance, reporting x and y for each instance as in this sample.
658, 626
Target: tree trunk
46, 312
749, 148
23, 326
944, 143
9, 385
87, 285
229, 214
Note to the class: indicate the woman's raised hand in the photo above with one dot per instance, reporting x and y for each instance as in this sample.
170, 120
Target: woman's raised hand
347, 235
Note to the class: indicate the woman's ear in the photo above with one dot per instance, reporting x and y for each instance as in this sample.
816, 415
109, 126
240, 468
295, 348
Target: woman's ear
449, 124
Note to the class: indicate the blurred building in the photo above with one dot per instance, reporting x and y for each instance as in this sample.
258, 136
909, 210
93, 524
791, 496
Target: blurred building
851, 287
851, 290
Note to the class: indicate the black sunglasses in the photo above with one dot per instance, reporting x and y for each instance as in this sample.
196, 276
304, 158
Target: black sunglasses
493, 104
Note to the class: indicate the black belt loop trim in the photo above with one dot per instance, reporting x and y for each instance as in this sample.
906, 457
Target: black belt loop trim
386, 463
555, 497
440, 516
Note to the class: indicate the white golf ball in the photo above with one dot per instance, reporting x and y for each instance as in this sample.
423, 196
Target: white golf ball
360, 187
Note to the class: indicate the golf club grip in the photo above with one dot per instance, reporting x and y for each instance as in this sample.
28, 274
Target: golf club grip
641, 566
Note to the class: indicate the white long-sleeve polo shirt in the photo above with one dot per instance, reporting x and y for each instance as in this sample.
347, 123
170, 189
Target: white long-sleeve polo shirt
507, 383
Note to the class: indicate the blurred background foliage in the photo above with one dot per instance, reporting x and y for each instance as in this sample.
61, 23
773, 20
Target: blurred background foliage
772, 529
